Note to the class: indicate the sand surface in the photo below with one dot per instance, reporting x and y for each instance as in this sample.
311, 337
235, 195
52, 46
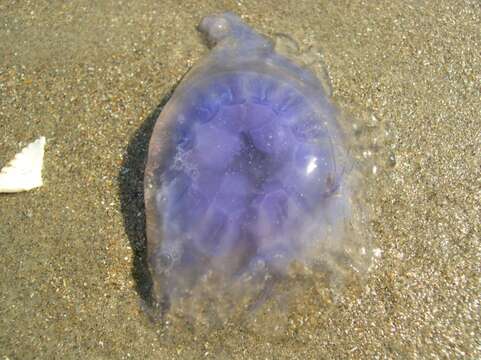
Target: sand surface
92, 76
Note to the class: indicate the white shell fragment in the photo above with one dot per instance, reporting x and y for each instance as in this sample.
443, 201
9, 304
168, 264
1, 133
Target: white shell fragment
24, 172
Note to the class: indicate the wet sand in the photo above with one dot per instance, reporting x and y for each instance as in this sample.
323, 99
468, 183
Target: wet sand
92, 78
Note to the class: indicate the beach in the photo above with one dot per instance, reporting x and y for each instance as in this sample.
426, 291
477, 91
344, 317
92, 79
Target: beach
92, 78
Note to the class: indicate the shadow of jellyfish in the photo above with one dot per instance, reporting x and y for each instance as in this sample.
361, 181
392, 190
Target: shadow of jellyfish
131, 187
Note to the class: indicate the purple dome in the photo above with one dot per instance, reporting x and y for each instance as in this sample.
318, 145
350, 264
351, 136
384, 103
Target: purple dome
244, 162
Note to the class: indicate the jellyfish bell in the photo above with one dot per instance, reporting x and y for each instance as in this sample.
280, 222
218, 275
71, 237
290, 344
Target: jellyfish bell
246, 185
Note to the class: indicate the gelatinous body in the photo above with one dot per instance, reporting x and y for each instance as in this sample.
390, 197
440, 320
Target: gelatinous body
244, 174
